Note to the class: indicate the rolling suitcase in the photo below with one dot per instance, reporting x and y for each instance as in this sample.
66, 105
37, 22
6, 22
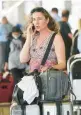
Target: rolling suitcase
51, 109
6, 88
29, 110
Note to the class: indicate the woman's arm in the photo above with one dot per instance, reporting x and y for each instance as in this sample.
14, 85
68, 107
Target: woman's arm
60, 52
25, 55
7, 54
7, 50
25, 52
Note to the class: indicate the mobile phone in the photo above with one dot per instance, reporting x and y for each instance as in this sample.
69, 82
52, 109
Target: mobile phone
33, 28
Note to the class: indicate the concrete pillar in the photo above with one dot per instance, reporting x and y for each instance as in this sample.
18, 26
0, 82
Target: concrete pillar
21, 14
76, 13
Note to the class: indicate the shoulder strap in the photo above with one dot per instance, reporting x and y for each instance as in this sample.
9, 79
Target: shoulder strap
48, 49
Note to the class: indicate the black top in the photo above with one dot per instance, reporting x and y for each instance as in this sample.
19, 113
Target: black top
74, 46
64, 30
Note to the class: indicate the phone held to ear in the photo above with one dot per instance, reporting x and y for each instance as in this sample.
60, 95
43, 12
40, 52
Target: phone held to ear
33, 28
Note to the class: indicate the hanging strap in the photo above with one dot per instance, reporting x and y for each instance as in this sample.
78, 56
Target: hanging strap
23, 108
48, 49
59, 107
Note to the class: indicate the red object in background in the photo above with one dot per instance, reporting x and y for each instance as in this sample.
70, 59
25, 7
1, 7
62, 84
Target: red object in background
6, 88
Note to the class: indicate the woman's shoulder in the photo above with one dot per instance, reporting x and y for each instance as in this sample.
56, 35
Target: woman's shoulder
58, 38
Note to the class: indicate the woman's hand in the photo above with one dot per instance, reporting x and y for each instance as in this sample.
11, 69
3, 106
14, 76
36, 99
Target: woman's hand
43, 68
25, 52
6, 66
31, 29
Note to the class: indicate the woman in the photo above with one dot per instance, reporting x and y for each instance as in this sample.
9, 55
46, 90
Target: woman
43, 28
13, 48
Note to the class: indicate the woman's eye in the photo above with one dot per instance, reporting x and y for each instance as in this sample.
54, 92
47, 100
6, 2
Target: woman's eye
40, 18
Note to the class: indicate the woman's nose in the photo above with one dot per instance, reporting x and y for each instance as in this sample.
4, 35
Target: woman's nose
36, 21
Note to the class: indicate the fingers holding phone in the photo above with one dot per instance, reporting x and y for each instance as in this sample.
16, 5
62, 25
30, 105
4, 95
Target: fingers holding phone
33, 28
35, 32
30, 28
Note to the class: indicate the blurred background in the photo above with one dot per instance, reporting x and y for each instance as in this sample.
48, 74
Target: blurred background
17, 11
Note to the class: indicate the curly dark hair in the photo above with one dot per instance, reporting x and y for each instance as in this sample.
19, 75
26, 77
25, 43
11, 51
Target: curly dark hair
52, 25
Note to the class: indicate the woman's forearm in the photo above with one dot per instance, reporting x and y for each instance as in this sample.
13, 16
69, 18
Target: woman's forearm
24, 54
60, 66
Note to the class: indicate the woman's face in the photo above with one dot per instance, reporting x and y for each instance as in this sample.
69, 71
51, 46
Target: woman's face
39, 21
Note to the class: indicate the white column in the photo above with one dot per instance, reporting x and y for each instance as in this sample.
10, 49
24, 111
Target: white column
0, 5
21, 14
14, 11
76, 13
53, 3
0, 9
30, 4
